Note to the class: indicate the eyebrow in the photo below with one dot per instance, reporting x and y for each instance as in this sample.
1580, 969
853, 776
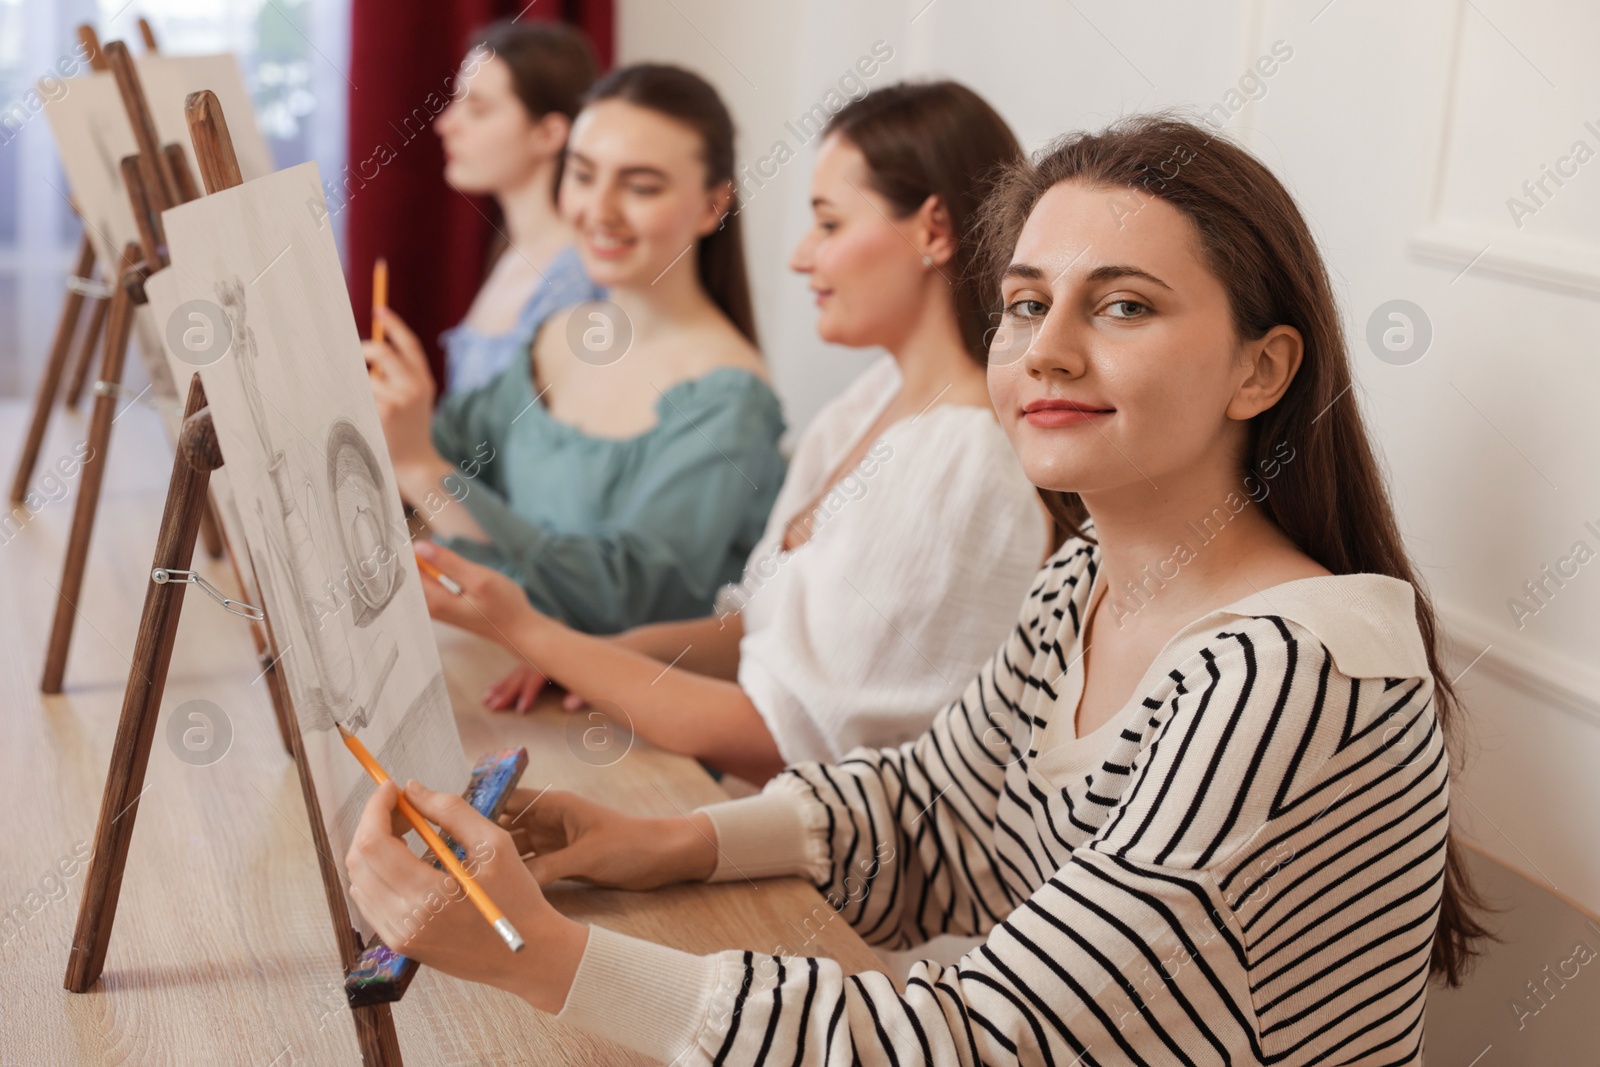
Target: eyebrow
626, 172
1109, 272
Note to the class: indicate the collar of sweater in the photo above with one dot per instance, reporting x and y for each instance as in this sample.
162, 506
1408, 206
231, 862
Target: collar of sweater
1368, 622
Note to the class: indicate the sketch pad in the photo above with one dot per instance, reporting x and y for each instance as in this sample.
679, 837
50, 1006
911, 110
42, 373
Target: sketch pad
160, 290
89, 123
314, 491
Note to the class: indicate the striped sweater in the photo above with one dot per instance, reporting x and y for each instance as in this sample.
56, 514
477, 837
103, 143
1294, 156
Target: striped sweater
1247, 871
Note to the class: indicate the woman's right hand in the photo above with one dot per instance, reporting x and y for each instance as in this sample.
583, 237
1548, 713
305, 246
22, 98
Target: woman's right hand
573, 837
490, 604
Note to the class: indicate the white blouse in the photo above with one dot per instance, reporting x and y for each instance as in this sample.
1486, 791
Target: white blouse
918, 561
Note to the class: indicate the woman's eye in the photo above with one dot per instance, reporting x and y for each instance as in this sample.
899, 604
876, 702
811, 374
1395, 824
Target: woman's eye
1028, 309
1125, 304
827, 227
644, 190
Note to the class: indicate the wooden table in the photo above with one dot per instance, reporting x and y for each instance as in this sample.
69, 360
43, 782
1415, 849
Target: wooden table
222, 950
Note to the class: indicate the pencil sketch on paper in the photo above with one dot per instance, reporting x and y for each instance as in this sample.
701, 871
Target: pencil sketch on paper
161, 292
299, 567
364, 519
316, 495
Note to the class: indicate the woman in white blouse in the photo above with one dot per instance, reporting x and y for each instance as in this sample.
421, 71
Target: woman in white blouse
906, 532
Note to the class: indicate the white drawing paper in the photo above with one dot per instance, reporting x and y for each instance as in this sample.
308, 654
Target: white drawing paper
314, 489
161, 290
92, 134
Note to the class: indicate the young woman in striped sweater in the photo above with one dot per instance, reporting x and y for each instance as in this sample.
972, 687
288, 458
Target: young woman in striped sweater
1226, 843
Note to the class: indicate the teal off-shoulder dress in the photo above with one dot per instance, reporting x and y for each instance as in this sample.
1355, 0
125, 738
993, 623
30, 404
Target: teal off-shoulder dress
610, 533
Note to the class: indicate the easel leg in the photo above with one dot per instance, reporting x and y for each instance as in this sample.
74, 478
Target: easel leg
91, 337
268, 658
88, 502
50, 381
380, 1047
141, 706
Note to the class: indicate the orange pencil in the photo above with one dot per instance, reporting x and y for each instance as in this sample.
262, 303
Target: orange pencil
438, 575
445, 853
380, 295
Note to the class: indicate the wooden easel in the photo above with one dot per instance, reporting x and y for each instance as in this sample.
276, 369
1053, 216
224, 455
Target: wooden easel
151, 178
79, 282
82, 289
80, 370
198, 455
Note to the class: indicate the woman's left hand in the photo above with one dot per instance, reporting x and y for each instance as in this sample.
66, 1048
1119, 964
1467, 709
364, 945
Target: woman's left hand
403, 387
422, 912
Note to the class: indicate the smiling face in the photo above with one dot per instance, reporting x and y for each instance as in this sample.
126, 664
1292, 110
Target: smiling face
866, 273
491, 144
635, 191
1116, 311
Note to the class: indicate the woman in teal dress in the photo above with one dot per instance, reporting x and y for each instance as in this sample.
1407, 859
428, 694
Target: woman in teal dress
622, 467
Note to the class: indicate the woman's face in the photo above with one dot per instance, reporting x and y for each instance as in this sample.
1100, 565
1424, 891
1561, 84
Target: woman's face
634, 189
866, 273
491, 143
1109, 306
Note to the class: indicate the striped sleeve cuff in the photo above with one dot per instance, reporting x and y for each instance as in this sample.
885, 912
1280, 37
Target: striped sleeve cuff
775, 833
648, 997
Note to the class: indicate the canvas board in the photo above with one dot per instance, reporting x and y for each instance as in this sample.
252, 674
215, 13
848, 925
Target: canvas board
90, 126
161, 290
313, 487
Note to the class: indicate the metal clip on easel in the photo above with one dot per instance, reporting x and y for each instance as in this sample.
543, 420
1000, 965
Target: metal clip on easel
163, 575
92, 288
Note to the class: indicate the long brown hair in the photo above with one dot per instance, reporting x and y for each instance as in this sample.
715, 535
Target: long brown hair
552, 65
937, 138
1332, 501
685, 96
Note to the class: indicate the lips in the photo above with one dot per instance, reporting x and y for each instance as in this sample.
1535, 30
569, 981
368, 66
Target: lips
1048, 412
607, 247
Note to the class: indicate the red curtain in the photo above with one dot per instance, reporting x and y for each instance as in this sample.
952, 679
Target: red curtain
392, 193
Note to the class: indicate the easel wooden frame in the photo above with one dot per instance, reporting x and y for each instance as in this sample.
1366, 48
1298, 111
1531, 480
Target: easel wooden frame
197, 456
152, 178
66, 328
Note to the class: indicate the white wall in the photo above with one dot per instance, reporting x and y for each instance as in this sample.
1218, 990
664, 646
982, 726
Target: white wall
1489, 438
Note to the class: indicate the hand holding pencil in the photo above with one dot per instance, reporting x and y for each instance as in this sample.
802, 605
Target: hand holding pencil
441, 851
419, 915
402, 382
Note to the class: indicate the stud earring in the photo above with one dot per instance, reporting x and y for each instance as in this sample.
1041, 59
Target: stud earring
927, 261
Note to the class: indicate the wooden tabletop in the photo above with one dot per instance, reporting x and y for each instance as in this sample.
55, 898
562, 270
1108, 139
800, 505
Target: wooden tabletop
222, 950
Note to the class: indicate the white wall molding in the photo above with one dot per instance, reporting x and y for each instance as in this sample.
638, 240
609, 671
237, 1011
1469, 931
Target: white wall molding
1551, 679
1566, 266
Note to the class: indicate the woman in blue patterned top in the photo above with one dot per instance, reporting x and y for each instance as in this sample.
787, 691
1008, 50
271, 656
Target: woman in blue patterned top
621, 468
504, 137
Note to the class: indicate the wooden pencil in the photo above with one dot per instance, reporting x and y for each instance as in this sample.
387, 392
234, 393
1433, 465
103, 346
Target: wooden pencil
380, 296
443, 852
450, 584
